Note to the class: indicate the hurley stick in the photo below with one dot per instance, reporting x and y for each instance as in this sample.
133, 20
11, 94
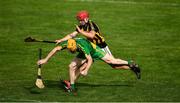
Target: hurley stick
39, 81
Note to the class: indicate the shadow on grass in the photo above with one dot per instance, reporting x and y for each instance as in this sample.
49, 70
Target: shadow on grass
102, 85
56, 84
49, 84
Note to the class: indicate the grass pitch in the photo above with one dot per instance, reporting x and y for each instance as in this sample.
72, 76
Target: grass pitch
146, 30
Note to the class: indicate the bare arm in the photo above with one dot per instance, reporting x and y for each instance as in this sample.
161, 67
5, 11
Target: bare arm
88, 65
69, 36
90, 34
45, 60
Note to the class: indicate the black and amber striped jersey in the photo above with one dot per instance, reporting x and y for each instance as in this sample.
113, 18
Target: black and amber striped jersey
98, 39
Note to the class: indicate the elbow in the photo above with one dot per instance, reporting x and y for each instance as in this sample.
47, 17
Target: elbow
72, 35
90, 60
57, 48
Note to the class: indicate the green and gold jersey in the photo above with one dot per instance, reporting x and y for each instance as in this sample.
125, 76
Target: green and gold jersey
63, 44
85, 47
98, 39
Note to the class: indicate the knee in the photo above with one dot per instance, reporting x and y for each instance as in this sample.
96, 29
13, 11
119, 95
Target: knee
109, 61
72, 66
84, 73
57, 48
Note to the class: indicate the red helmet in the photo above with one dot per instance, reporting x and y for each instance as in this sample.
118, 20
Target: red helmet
82, 15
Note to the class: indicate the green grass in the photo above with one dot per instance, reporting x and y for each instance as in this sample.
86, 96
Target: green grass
147, 30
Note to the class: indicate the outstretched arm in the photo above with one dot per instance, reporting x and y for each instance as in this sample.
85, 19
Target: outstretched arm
69, 36
90, 34
45, 60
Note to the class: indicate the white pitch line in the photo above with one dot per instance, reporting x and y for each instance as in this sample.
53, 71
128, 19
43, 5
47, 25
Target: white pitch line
24, 100
129, 2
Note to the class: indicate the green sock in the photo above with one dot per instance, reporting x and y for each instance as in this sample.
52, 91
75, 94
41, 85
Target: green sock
73, 86
130, 62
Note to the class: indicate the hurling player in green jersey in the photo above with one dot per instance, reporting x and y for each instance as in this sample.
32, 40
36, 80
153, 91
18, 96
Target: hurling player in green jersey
87, 53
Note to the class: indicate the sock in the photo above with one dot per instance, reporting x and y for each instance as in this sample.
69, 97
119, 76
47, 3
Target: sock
73, 86
130, 62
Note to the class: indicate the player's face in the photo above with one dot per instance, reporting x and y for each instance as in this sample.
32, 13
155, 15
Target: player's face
83, 22
72, 50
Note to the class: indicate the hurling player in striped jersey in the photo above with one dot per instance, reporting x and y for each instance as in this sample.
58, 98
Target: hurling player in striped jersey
90, 30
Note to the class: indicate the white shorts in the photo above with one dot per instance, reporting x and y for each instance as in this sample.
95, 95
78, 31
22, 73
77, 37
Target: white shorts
106, 50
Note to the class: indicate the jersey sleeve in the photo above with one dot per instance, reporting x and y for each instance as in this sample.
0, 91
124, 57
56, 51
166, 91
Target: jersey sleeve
94, 26
63, 44
80, 26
